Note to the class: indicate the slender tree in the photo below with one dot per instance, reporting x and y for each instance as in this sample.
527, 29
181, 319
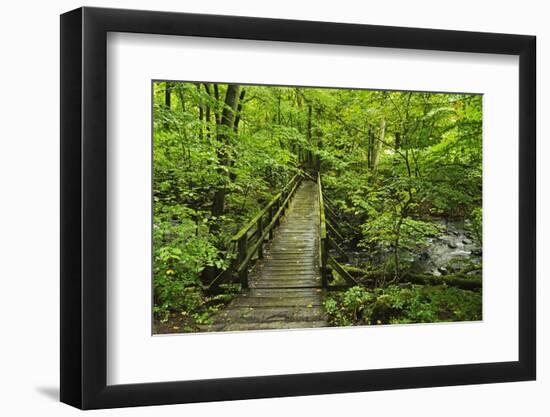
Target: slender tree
225, 127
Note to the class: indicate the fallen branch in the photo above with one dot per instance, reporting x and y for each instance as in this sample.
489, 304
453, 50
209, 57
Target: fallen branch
459, 279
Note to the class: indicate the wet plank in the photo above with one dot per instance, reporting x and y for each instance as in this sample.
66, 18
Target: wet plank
273, 325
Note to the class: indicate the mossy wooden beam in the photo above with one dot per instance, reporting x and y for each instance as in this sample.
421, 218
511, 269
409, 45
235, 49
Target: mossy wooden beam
341, 271
459, 280
338, 249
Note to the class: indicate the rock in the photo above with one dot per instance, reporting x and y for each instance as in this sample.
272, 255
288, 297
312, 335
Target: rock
476, 252
452, 245
424, 256
466, 241
442, 270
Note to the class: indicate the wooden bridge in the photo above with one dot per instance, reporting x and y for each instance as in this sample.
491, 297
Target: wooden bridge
284, 260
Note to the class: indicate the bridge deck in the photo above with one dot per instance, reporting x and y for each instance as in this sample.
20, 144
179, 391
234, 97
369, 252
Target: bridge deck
285, 286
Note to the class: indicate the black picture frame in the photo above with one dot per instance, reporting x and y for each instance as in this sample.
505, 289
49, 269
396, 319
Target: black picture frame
84, 207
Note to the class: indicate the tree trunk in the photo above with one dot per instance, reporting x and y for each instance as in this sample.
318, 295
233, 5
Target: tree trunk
239, 109
226, 125
397, 140
207, 110
181, 98
201, 113
319, 134
217, 97
377, 146
167, 95
167, 101
369, 148
233, 175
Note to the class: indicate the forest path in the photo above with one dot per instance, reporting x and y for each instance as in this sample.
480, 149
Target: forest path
285, 286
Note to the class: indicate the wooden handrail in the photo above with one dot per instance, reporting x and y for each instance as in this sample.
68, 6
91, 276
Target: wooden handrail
259, 242
326, 242
247, 244
323, 223
323, 244
255, 219
246, 228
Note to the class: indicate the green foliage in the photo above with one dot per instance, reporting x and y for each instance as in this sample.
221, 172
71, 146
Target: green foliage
390, 232
402, 160
182, 249
402, 304
476, 224
349, 307
391, 162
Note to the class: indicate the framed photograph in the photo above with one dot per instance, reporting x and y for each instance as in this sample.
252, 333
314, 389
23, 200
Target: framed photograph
256, 208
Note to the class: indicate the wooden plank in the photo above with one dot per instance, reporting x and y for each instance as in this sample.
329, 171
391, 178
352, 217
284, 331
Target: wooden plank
312, 286
282, 304
301, 270
273, 325
302, 253
267, 314
280, 292
283, 279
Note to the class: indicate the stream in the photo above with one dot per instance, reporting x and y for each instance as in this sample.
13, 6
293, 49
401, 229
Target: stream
452, 250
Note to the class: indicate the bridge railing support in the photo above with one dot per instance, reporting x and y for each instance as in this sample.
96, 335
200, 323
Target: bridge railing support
251, 238
326, 228
323, 249
242, 248
260, 229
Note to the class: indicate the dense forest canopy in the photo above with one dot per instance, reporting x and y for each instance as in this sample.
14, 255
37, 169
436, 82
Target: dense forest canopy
397, 165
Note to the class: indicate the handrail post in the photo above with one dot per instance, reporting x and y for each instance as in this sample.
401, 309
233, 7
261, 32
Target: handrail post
324, 262
278, 205
270, 219
323, 241
243, 248
260, 227
290, 192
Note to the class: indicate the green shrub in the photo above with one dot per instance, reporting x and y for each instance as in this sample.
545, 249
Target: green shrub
397, 304
181, 252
